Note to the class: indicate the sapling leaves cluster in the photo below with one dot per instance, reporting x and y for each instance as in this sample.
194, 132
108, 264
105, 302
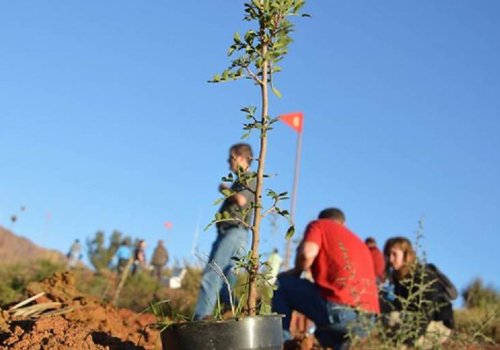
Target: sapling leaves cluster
255, 56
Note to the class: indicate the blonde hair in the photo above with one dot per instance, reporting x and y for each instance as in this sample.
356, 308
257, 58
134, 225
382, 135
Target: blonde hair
409, 255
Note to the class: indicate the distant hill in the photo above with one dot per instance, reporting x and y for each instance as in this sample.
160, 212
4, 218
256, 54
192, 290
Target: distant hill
14, 248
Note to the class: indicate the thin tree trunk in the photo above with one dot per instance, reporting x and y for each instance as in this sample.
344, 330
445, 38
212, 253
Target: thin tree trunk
252, 294
123, 277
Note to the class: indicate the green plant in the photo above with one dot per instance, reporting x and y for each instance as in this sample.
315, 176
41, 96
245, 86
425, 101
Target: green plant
257, 54
174, 304
478, 325
479, 322
411, 323
100, 255
477, 294
15, 277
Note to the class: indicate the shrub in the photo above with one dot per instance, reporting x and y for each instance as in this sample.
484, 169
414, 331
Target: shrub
480, 320
15, 277
476, 294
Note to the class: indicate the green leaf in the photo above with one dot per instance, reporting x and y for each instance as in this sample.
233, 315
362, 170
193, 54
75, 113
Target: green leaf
218, 201
237, 38
245, 135
208, 226
290, 232
216, 78
271, 193
249, 36
284, 213
267, 293
265, 309
276, 92
228, 178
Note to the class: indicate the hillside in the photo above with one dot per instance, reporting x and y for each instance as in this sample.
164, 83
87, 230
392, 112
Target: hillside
14, 248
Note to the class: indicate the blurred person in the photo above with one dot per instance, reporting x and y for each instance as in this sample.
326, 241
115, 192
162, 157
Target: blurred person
123, 255
344, 290
159, 260
139, 257
231, 233
273, 266
74, 254
378, 259
419, 288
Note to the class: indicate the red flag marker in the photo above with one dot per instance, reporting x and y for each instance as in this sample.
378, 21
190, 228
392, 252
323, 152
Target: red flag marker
168, 225
294, 120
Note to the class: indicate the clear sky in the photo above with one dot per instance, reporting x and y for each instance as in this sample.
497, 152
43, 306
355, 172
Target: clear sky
107, 121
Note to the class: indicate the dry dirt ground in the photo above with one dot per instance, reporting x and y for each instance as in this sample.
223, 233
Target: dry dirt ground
73, 321
77, 322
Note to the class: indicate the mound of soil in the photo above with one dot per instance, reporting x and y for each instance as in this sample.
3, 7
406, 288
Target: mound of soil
78, 322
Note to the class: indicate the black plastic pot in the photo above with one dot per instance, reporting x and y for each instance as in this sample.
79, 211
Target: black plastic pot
257, 332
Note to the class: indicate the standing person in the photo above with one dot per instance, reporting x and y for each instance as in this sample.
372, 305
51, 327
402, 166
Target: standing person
231, 233
344, 282
139, 256
420, 291
123, 255
378, 259
159, 259
274, 264
74, 254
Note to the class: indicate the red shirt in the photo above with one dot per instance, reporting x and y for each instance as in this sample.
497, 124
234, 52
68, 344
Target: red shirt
378, 262
343, 268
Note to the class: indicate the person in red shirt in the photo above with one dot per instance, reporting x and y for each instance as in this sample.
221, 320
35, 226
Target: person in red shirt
344, 287
378, 259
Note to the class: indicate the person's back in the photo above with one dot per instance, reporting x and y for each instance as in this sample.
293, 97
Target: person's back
160, 255
377, 258
123, 255
344, 283
159, 259
123, 252
343, 268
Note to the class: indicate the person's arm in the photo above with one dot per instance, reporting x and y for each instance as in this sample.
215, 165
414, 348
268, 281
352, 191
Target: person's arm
306, 255
237, 197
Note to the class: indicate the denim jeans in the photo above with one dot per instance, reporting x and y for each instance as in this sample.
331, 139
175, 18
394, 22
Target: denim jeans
333, 321
230, 242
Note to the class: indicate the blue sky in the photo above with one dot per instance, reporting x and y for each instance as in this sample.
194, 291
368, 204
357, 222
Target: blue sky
107, 121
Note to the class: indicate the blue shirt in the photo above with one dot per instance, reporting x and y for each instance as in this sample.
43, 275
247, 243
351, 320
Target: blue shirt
123, 253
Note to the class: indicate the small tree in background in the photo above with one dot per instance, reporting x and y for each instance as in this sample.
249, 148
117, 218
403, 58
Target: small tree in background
99, 255
477, 294
258, 53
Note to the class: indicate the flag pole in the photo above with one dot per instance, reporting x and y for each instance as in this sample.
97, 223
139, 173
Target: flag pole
288, 247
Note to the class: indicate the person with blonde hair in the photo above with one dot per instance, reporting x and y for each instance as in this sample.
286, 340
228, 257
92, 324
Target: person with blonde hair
420, 289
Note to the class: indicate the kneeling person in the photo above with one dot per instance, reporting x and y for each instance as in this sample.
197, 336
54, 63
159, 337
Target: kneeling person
344, 286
